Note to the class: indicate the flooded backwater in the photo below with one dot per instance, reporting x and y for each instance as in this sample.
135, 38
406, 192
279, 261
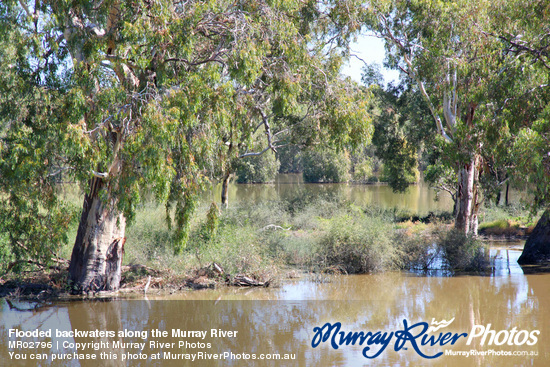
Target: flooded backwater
501, 318
282, 320
419, 199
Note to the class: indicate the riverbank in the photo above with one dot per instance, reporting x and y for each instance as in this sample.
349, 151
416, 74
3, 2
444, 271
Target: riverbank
264, 243
46, 284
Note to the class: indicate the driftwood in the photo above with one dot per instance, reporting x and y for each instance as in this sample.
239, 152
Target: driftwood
147, 285
215, 270
241, 280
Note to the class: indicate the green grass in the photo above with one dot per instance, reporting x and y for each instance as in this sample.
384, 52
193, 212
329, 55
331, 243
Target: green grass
320, 234
496, 216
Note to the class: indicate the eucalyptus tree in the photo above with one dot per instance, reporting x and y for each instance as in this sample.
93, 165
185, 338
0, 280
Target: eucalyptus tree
441, 47
319, 106
524, 31
321, 109
134, 97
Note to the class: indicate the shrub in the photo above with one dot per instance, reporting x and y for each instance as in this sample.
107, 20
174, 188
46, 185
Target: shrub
258, 169
325, 166
418, 250
355, 243
463, 252
373, 179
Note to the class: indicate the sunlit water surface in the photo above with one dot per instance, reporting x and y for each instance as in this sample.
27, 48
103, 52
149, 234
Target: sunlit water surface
282, 319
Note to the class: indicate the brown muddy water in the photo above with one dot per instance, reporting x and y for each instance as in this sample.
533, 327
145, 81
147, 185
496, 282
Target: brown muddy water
507, 302
237, 325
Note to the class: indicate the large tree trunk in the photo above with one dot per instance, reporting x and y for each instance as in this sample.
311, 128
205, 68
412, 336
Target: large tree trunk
97, 253
537, 247
466, 219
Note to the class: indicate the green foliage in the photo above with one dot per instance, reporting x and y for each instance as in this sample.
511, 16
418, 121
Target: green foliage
442, 178
532, 159
182, 217
356, 243
363, 170
401, 131
481, 68
399, 176
156, 98
463, 252
326, 166
372, 76
290, 158
314, 232
6, 255
34, 233
258, 169
210, 226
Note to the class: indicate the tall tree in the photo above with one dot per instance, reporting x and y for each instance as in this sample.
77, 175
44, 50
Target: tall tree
319, 107
133, 97
439, 45
524, 31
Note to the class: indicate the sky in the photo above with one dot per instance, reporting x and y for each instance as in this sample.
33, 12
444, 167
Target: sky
371, 50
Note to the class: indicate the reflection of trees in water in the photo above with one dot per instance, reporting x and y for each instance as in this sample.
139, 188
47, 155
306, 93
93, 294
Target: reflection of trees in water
263, 327
98, 315
418, 198
376, 302
25, 316
538, 299
504, 302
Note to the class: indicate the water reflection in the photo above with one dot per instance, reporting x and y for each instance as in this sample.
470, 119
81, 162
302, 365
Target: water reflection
419, 198
281, 320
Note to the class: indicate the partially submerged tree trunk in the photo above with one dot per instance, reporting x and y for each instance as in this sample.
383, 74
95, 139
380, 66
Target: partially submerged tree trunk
225, 190
537, 247
97, 253
468, 198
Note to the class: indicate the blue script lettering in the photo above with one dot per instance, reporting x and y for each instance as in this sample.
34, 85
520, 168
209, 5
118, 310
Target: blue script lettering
377, 338
405, 335
413, 334
328, 330
320, 337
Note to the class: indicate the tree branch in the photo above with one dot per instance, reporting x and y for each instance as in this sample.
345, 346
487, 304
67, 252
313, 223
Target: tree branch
388, 35
26, 8
59, 171
100, 174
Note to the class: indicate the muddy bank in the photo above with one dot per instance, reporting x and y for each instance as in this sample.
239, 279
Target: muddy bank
136, 279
